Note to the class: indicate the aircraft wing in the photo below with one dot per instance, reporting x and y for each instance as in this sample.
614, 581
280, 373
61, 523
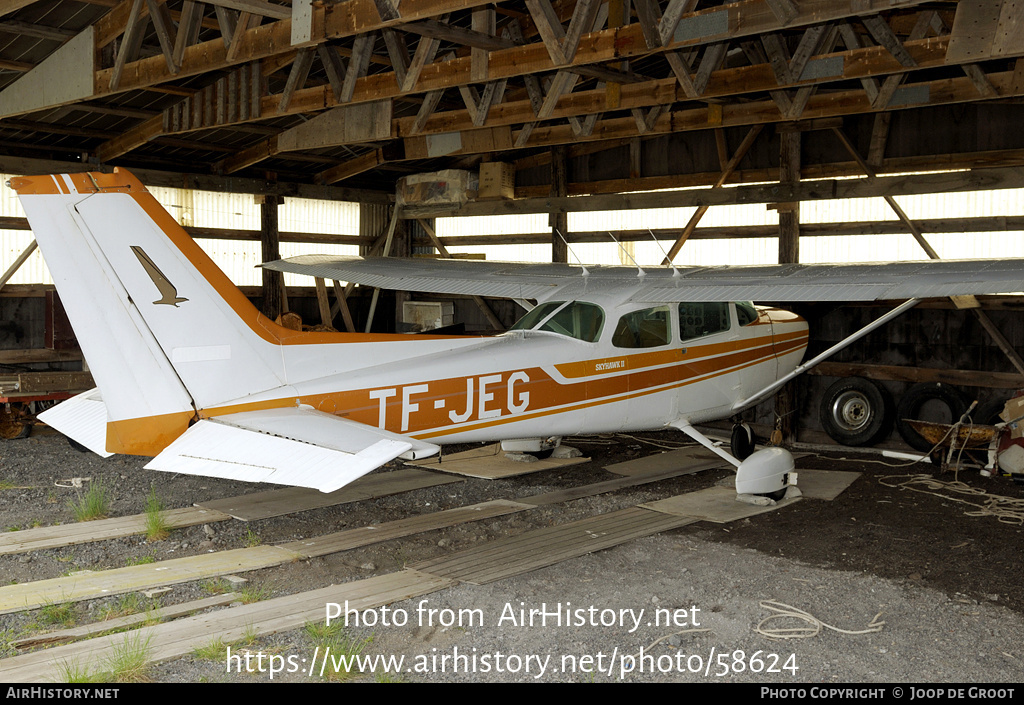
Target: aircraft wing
782, 283
290, 446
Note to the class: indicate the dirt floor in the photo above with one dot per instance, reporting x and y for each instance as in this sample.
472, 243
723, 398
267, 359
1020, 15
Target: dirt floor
912, 556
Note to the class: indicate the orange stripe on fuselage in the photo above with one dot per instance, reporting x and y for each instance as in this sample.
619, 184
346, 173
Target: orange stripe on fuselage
431, 417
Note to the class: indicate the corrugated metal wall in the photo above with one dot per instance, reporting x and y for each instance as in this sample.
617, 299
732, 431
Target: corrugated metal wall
208, 209
239, 259
863, 248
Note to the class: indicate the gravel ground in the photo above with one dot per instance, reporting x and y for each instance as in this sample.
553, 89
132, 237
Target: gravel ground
946, 585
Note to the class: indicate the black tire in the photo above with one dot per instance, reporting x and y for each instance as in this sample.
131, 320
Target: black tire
743, 441
76, 445
946, 405
987, 414
856, 412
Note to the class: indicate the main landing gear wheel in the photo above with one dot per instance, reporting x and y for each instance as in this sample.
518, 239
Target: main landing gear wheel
742, 442
856, 412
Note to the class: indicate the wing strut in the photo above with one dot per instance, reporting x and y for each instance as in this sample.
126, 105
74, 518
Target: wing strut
764, 393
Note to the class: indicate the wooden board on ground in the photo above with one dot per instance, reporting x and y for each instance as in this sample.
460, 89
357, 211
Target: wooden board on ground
717, 504
85, 532
364, 535
164, 642
490, 463
682, 457
543, 547
824, 484
273, 503
87, 584
159, 614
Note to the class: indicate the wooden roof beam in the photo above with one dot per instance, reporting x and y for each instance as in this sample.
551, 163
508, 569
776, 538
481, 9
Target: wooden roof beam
857, 64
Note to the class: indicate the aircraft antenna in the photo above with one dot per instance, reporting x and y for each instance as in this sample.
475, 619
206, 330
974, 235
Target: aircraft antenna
675, 272
586, 272
639, 270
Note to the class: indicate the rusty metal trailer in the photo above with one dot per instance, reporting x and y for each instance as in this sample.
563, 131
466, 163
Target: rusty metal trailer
25, 394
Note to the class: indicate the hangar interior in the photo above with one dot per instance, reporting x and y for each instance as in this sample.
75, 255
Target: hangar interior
547, 107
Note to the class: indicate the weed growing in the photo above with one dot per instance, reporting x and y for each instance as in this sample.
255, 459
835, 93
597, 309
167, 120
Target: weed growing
93, 504
156, 520
340, 646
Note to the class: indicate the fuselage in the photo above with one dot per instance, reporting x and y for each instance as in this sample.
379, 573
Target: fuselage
576, 367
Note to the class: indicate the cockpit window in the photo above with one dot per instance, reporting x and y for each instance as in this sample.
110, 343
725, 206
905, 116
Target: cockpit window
575, 319
646, 328
697, 320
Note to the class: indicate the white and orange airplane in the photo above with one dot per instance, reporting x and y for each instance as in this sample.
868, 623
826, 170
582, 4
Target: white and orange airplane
188, 371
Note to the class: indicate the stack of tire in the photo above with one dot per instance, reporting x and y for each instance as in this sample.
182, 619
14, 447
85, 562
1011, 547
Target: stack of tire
860, 412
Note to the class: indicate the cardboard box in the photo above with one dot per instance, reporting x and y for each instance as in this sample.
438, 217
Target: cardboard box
497, 180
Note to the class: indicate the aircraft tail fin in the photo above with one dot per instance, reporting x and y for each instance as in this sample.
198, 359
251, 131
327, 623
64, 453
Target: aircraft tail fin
164, 331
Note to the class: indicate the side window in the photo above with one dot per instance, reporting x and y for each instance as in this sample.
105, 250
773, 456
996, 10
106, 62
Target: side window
697, 320
746, 313
647, 328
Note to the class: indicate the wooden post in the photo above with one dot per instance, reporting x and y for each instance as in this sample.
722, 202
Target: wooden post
789, 213
270, 237
559, 222
789, 252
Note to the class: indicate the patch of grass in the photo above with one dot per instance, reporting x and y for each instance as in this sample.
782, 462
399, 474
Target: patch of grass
124, 605
93, 504
12, 528
340, 647
216, 587
7, 485
57, 614
254, 593
73, 672
215, 650
129, 662
142, 560
156, 520
249, 636
252, 539
387, 677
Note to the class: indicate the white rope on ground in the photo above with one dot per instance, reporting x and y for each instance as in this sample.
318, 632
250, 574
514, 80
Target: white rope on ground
814, 625
1008, 510
667, 636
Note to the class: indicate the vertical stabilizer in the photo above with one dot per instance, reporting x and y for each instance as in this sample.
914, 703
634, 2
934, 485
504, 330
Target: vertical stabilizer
162, 328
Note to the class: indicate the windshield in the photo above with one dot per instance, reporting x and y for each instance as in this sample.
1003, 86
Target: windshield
575, 319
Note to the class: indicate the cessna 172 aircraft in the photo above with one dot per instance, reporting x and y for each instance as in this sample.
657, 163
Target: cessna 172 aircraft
190, 372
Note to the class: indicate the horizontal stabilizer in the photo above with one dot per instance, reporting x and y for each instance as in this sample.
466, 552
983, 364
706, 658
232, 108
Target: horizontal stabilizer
291, 446
83, 419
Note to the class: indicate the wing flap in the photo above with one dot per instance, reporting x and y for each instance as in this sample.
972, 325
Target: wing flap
294, 446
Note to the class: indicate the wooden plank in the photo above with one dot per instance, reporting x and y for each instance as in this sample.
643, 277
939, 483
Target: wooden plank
44, 537
162, 613
272, 503
977, 180
635, 480
543, 547
178, 638
966, 378
715, 504
681, 458
90, 585
366, 535
489, 462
